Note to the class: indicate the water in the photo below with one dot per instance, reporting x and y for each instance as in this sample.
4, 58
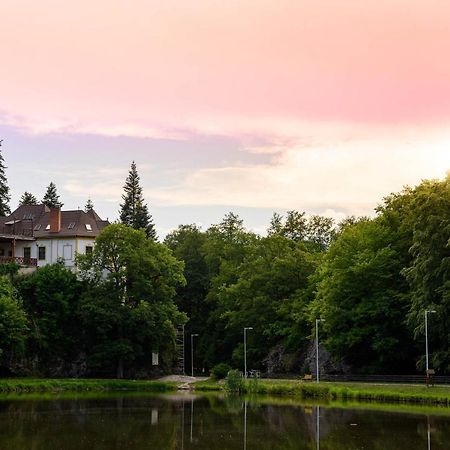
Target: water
213, 422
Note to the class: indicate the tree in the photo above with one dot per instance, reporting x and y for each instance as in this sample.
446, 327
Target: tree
134, 210
187, 244
51, 299
133, 304
28, 199
89, 206
51, 197
13, 322
429, 272
272, 295
363, 297
4, 188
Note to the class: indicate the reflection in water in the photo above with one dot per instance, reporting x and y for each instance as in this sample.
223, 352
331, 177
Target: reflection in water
318, 427
213, 422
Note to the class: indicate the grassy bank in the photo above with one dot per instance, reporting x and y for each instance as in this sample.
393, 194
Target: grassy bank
392, 393
58, 385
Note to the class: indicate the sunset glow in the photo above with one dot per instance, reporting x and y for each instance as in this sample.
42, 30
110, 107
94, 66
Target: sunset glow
258, 105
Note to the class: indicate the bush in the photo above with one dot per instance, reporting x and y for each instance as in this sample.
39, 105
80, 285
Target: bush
234, 381
220, 371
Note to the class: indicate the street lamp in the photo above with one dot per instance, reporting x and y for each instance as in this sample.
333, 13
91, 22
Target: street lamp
192, 353
317, 348
427, 311
245, 350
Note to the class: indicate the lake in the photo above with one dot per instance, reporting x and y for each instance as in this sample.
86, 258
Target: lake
212, 422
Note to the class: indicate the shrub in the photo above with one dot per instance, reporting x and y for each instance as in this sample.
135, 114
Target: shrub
234, 381
220, 371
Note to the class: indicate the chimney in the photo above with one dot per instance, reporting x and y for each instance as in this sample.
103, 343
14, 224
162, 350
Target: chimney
55, 220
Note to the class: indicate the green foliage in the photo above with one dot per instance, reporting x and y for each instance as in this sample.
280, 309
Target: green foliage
51, 298
28, 199
4, 189
51, 197
9, 269
316, 231
134, 210
129, 312
361, 296
220, 371
13, 322
234, 382
429, 273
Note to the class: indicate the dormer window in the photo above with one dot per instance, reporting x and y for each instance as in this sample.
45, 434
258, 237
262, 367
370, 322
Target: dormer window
47, 228
37, 227
71, 225
88, 227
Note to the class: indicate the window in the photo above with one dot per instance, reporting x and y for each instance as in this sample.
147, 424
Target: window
89, 249
71, 225
88, 227
47, 227
27, 253
42, 253
37, 227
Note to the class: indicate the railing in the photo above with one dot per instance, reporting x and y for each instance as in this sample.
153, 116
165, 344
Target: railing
30, 262
9, 230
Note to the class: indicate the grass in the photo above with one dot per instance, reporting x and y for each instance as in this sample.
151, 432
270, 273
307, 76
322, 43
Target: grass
392, 393
57, 385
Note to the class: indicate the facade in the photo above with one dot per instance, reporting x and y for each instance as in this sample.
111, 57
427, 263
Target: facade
35, 235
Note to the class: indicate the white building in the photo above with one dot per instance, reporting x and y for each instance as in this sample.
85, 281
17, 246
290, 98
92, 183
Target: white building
34, 235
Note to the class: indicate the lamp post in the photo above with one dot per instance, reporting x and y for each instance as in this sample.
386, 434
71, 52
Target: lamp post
427, 311
192, 353
317, 349
245, 350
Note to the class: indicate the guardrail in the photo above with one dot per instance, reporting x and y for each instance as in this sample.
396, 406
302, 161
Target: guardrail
29, 262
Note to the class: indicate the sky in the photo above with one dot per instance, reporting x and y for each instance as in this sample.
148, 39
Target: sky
253, 106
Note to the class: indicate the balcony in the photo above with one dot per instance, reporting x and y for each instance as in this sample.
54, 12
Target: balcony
24, 262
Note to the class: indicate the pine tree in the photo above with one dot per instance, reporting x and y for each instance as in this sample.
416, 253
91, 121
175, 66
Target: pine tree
89, 206
4, 188
51, 197
28, 199
133, 210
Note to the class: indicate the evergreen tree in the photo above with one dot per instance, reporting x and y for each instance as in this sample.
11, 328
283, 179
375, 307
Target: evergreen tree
4, 188
89, 206
133, 210
51, 197
28, 199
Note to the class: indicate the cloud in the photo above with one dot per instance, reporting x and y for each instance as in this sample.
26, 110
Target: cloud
336, 181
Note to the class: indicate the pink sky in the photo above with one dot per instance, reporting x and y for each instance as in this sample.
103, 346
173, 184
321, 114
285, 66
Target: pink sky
275, 75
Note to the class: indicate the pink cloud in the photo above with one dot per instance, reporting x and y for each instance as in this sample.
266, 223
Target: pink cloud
174, 64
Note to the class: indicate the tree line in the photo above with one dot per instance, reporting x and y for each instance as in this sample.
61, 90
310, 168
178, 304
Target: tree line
370, 279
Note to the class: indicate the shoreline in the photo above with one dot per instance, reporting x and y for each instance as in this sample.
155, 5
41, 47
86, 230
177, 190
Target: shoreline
380, 393
329, 391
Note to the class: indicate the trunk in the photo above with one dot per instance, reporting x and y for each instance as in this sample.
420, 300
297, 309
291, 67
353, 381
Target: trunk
120, 368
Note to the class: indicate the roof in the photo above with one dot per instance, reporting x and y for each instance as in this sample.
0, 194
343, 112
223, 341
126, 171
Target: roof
33, 221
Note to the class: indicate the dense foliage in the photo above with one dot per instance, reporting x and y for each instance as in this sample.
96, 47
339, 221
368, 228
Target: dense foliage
370, 279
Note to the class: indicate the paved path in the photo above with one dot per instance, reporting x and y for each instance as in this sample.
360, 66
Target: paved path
185, 382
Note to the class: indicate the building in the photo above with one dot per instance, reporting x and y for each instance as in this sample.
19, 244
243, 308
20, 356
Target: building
35, 235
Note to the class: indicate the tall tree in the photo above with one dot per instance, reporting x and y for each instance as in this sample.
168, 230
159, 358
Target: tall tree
89, 206
28, 199
4, 188
51, 197
134, 210
131, 310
